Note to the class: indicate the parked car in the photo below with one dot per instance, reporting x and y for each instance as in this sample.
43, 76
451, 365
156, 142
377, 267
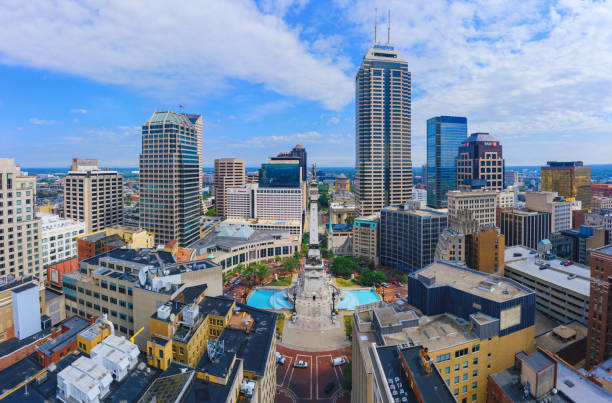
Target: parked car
398, 295
234, 296
394, 282
330, 386
568, 263
385, 285
280, 359
338, 361
300, 364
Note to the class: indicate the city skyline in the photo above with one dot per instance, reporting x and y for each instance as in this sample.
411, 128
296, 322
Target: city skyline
293, 83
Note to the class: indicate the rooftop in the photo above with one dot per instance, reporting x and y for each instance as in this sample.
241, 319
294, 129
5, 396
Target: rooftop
480, 137
522, 259
605, 249
424, 212
436, 333
146, 257
485, 285
169, 117
561, 336
74, 325
228, 236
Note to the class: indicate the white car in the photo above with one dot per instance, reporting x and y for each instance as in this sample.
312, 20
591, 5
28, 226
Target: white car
338, 361
280, 359
300, 364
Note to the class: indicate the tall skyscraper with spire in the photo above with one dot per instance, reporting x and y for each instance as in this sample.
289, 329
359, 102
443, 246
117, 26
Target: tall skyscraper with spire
383, 171
169, 178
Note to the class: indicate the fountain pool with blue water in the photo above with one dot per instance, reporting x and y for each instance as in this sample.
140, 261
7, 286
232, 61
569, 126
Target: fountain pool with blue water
275, 299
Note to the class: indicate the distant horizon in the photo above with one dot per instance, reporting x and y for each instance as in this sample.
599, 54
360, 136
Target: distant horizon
318, 167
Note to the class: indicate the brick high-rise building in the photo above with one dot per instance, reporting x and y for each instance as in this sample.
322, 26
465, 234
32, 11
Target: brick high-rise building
229, 173
383, 171
93, 195
480, 157
599, 337
19, 229
484, 250
571, 180
170, 178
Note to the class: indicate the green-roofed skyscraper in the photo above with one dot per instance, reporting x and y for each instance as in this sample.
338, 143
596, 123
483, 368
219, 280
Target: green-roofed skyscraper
170, 178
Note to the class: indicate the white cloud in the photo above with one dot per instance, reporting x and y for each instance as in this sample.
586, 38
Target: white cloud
189, 50
81, 111
534, 69
307, 137
36, 121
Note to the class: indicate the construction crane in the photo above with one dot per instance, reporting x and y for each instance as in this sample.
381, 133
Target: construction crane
136, 334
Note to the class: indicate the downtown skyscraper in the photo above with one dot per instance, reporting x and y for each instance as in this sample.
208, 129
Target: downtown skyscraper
445, 134
169, 178
383, 171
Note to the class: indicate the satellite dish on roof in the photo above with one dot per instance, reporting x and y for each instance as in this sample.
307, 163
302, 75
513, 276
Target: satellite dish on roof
172, 317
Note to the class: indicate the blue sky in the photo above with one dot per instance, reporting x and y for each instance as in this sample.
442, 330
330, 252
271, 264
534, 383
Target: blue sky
77, 79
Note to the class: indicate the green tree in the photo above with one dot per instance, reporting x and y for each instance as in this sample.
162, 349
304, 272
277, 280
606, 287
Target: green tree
349, 220
379, 276
239, 269
261, 271
366, 278
277, 258
343, 266
347, 376
248, 273
210, 212
404, 278
290, 264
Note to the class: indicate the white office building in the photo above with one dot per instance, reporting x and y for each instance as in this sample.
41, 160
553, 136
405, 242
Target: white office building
252, 201
58, 238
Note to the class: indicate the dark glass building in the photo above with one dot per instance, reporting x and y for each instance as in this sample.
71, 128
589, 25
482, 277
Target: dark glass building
444, 137
297, 153
169, 178
280, 174
408, 236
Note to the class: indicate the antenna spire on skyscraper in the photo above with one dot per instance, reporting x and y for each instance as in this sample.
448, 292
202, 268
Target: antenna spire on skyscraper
375, 18
389, 27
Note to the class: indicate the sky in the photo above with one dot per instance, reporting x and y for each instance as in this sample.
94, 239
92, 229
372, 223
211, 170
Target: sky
78, 78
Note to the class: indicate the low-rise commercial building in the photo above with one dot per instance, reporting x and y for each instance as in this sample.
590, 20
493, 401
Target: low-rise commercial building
293, 227
574, 244
543, 377
229, 344
599, 203
601, 218
451, 246
484, 250
128, 284
58, 238
119, 236
9, 291
229, 245
551, 202
480, 203
463, 341
562, 292
365, 237
409, 235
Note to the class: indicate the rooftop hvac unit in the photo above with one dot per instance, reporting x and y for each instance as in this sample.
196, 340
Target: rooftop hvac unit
163, 312
247, 387
190, 314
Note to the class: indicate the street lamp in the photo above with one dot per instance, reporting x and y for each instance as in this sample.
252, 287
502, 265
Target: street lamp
294, 298
383, 294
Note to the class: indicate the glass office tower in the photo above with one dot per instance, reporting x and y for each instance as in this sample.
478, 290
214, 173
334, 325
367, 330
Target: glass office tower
383, 171
444, 137
571, 180
169, 178
280, 174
